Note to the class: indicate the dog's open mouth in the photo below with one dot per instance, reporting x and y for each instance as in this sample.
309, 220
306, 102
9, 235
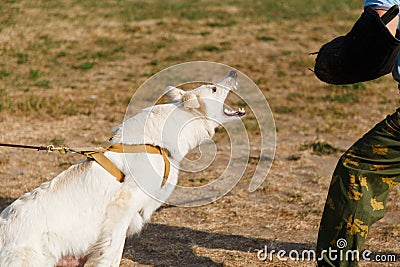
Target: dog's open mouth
240, 112
230, 83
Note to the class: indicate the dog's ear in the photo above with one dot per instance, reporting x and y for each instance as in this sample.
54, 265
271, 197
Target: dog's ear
173, 94
190, 100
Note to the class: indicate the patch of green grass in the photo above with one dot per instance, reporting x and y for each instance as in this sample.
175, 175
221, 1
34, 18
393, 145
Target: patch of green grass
153, 63
212, 48
319, 147
225, 45
43, 83
30, 103
222, 23
334, 112
85, 65
62, 54
354, 86
266, 10
158, 9
270, 10
108, 53
100, 54
117, 49
349, 98
5, 73
203, 179
273, 57
22, 58
34, 74
281, 73
284, 110
265, 38
155, 46
63, 164
253, 10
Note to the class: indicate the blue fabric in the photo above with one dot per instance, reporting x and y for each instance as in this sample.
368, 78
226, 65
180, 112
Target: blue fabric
381, 3
386, 4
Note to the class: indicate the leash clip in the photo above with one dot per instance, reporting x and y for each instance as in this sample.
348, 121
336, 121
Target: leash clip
62, 150
50, 148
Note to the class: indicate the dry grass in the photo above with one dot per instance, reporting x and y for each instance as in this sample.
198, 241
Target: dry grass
68, 70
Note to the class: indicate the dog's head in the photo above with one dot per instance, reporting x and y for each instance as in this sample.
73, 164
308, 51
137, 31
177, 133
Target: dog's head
208, 99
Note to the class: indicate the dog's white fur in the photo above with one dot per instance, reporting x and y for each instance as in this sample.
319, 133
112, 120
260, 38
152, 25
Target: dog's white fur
84, 211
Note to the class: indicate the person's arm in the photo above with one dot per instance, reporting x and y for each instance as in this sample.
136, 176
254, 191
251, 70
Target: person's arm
381, 6
392, 25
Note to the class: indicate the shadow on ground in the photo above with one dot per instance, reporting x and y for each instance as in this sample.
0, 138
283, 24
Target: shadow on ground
163, 245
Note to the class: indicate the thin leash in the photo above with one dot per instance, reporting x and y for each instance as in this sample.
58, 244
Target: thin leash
61, 149
97, 154
49, 148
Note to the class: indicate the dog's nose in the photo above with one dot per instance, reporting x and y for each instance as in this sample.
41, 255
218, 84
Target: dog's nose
230, 80
233, 74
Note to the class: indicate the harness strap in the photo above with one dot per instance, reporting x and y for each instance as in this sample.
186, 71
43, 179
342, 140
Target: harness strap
103, 161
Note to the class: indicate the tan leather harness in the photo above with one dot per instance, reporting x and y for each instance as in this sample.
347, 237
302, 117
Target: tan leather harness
103, 161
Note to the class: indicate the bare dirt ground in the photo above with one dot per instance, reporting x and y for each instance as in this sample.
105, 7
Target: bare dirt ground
68, 70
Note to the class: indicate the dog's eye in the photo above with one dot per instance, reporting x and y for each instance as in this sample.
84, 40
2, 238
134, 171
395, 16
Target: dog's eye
214, 89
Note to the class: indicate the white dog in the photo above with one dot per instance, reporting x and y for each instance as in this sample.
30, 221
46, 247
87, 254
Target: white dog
85, 212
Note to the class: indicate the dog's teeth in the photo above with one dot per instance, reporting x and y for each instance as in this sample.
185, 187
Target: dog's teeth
238, 112
229, 112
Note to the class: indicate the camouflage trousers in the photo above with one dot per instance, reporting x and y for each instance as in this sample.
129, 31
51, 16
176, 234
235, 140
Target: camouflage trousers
357, 195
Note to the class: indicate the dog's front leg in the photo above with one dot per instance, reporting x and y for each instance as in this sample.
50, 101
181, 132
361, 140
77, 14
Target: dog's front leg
108, 255
109, 247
